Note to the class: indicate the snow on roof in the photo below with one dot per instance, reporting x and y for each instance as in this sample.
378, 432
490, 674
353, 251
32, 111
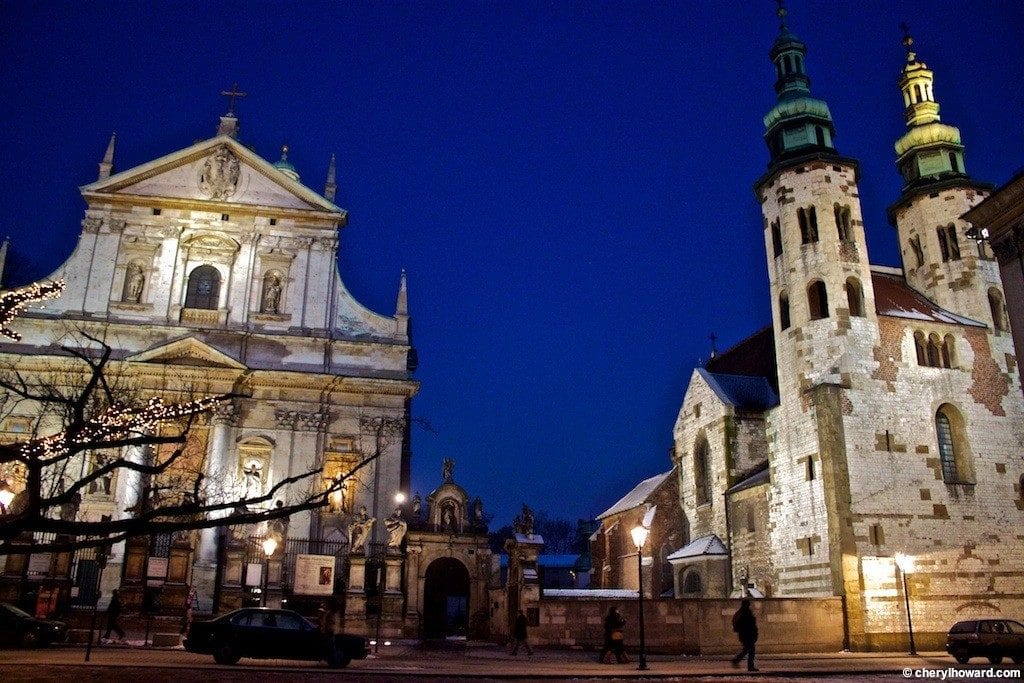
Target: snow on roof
589, 594
741, 391
895, 298
758, 476
637, 496
703, 546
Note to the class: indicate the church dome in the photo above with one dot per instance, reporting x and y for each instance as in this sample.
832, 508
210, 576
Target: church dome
799, 106
285, 166
928, 134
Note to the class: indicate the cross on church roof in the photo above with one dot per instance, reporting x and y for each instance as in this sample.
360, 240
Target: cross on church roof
232, 94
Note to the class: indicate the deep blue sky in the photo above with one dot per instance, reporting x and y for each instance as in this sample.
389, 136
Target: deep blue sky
568, 184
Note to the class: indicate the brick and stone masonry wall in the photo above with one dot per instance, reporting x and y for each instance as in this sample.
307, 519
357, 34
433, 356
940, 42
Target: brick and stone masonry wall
700, 626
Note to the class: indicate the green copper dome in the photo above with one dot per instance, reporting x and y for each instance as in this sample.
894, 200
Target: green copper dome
285, 166
797, 107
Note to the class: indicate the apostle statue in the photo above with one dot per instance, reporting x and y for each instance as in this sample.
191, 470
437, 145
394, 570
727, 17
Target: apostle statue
359, 530
133, 283
396, 527
523, 523
272, 295
447, 470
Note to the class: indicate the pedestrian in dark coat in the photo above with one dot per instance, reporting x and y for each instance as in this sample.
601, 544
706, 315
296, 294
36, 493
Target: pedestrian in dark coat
744, 623
614, 637
519, 634
113, 615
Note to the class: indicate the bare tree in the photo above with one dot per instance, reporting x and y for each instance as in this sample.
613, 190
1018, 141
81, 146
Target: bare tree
88, 423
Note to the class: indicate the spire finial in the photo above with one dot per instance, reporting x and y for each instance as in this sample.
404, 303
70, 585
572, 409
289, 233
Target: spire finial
781, 12
908, 41
330, 187
231, 95
284, 152
402, 305
714, 338
107, 165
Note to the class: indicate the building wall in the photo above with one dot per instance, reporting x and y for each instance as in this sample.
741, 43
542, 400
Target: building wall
694, 626
750, 542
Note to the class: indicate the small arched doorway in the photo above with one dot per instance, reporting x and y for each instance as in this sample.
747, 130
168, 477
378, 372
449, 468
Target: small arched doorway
445, 599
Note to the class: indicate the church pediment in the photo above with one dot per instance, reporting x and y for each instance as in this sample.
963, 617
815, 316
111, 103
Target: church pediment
219, 170
189, 351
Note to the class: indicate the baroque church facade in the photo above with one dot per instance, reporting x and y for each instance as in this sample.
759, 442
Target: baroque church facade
213, 271
879, 419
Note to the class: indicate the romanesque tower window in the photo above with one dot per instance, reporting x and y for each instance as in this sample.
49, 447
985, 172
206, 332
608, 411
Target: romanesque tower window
948, 244
855, 297
953, 163
948, 352
995, 305
817, 300
843, 223
783, 311
921, 347
702, 472
934, 351
915, 245
203, 288
776, 239
808, 220
953, 448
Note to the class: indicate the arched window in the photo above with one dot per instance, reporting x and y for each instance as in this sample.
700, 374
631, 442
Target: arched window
934, 355
843, 223
783, 311
702, 472
915, 246
817, 300
692, 585
917, 93
855, 297
954, 454
203, 288
789, 64
954, 243
921, 347
948, 352
776, 238
943, 243
954, 163
1020, 488
995, 305
808, 220
819, 135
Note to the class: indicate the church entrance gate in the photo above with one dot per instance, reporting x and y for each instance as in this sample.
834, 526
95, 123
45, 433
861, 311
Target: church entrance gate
445, 599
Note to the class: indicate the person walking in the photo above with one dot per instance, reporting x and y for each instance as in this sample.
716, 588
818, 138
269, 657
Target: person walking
190, 606
744, 623
113, 616
519, 634
614, 637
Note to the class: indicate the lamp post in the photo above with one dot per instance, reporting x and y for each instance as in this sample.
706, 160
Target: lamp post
906, 564
639, 534
269, 546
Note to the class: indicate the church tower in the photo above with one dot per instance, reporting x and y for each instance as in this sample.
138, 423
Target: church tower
823, 312
939, 259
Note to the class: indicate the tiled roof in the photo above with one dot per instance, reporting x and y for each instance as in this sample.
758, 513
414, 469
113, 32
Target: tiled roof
752, 357
742, 391
704, 546
895, 298
638, 496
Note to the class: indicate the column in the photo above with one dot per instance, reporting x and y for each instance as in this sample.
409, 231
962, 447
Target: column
219, 476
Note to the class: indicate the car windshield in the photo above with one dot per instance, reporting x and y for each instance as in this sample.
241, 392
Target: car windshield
15, 611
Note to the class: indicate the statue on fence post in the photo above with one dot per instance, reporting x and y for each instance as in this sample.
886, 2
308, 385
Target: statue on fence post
359, 531
396, 527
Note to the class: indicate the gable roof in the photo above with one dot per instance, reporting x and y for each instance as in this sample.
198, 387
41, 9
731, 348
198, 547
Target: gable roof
896, 299
751, 357
755, 477
638, 496
742, 391
710, 545
143, 180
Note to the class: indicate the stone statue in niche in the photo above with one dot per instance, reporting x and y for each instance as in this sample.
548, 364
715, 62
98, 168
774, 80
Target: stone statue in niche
134, 281
218, 176
396, 527
449, 520
271, 294
417, 504
252, 479
447, 470
359, 531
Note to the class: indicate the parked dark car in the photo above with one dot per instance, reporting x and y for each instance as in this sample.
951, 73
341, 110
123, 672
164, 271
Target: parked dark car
992, 638
19, 628
271, 634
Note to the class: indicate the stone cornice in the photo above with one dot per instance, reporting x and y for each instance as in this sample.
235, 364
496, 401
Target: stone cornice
312, 219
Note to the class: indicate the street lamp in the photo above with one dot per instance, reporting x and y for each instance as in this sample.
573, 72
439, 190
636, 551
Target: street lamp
399, 498
269, 546
639, 534
906, 564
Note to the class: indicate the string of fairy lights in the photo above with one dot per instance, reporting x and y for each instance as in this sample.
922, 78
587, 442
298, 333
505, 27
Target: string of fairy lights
12, 303
118, 421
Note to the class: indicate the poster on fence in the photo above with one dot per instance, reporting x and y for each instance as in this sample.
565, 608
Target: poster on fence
314, 575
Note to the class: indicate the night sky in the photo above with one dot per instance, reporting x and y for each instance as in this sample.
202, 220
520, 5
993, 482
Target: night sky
567, 184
